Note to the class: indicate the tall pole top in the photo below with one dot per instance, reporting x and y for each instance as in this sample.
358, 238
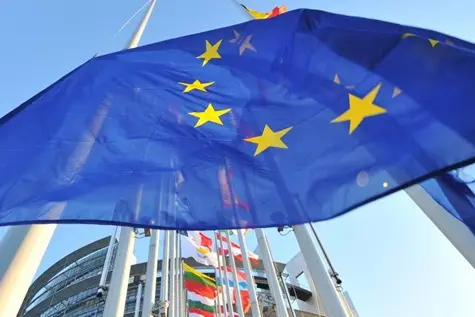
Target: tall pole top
134, 41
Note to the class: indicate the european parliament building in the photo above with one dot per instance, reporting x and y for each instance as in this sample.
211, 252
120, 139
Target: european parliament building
68, 288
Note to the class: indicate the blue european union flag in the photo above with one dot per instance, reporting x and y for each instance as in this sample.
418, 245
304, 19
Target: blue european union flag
297, 118
455, 192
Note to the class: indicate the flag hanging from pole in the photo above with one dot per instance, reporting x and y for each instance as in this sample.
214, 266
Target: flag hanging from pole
235, 250
331, 114
235, 232
199, 238
201, 292
266, 15
455, 191
243, 286
199, 253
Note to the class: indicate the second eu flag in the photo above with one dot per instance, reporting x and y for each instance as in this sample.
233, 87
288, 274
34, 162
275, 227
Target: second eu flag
298, 118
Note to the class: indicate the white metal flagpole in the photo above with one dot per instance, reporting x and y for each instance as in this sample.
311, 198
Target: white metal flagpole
455, 231
256, 312
235, 278
172, 298
287, 296
271, 274
220, 278
151, 275
182, 287
22, 249
134, 41
307, 242
229, 296
115, 301
217, 274
116, 295
107, 263
137, 300
164, 303
178, 288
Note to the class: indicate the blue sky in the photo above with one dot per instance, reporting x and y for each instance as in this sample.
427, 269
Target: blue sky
392, 260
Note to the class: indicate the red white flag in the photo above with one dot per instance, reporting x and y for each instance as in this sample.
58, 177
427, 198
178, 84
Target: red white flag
236, 250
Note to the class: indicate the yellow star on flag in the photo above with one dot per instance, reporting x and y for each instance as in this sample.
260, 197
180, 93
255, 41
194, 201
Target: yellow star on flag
211, 52
268, 139
432, 42
360, 108
209, 115
196, 85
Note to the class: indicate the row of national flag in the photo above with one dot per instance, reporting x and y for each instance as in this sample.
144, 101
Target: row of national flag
201, 289
199, 246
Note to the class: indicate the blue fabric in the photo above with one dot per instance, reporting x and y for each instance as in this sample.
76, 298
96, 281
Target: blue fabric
113, 141
220, 282
455, 194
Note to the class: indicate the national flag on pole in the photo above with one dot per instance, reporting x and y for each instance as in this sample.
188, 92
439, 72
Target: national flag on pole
201, 304
200, 239
194, 313
228, 270
199, 253
198, 282
222, 281
99, 145
236, 250
245, 300
201, 292
266, 15
243, 286
234, 232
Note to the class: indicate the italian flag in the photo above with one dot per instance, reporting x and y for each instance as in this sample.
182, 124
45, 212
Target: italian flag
201, 292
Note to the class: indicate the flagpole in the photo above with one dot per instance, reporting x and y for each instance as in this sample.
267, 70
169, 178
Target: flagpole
164, 303
217, 274
454, 230
171, 298
179, 293
287, 295
134, 41
219, 277
182, 287
151, 274
115, 301
22, 249
331, 301
117, 291
228, 291
333, 274
235, 277
271, 274
256, 312
137, 300
107, 263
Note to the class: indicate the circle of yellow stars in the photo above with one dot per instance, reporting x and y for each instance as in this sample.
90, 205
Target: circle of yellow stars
359, 108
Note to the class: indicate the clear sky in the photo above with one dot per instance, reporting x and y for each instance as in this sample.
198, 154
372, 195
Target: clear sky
392, 260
